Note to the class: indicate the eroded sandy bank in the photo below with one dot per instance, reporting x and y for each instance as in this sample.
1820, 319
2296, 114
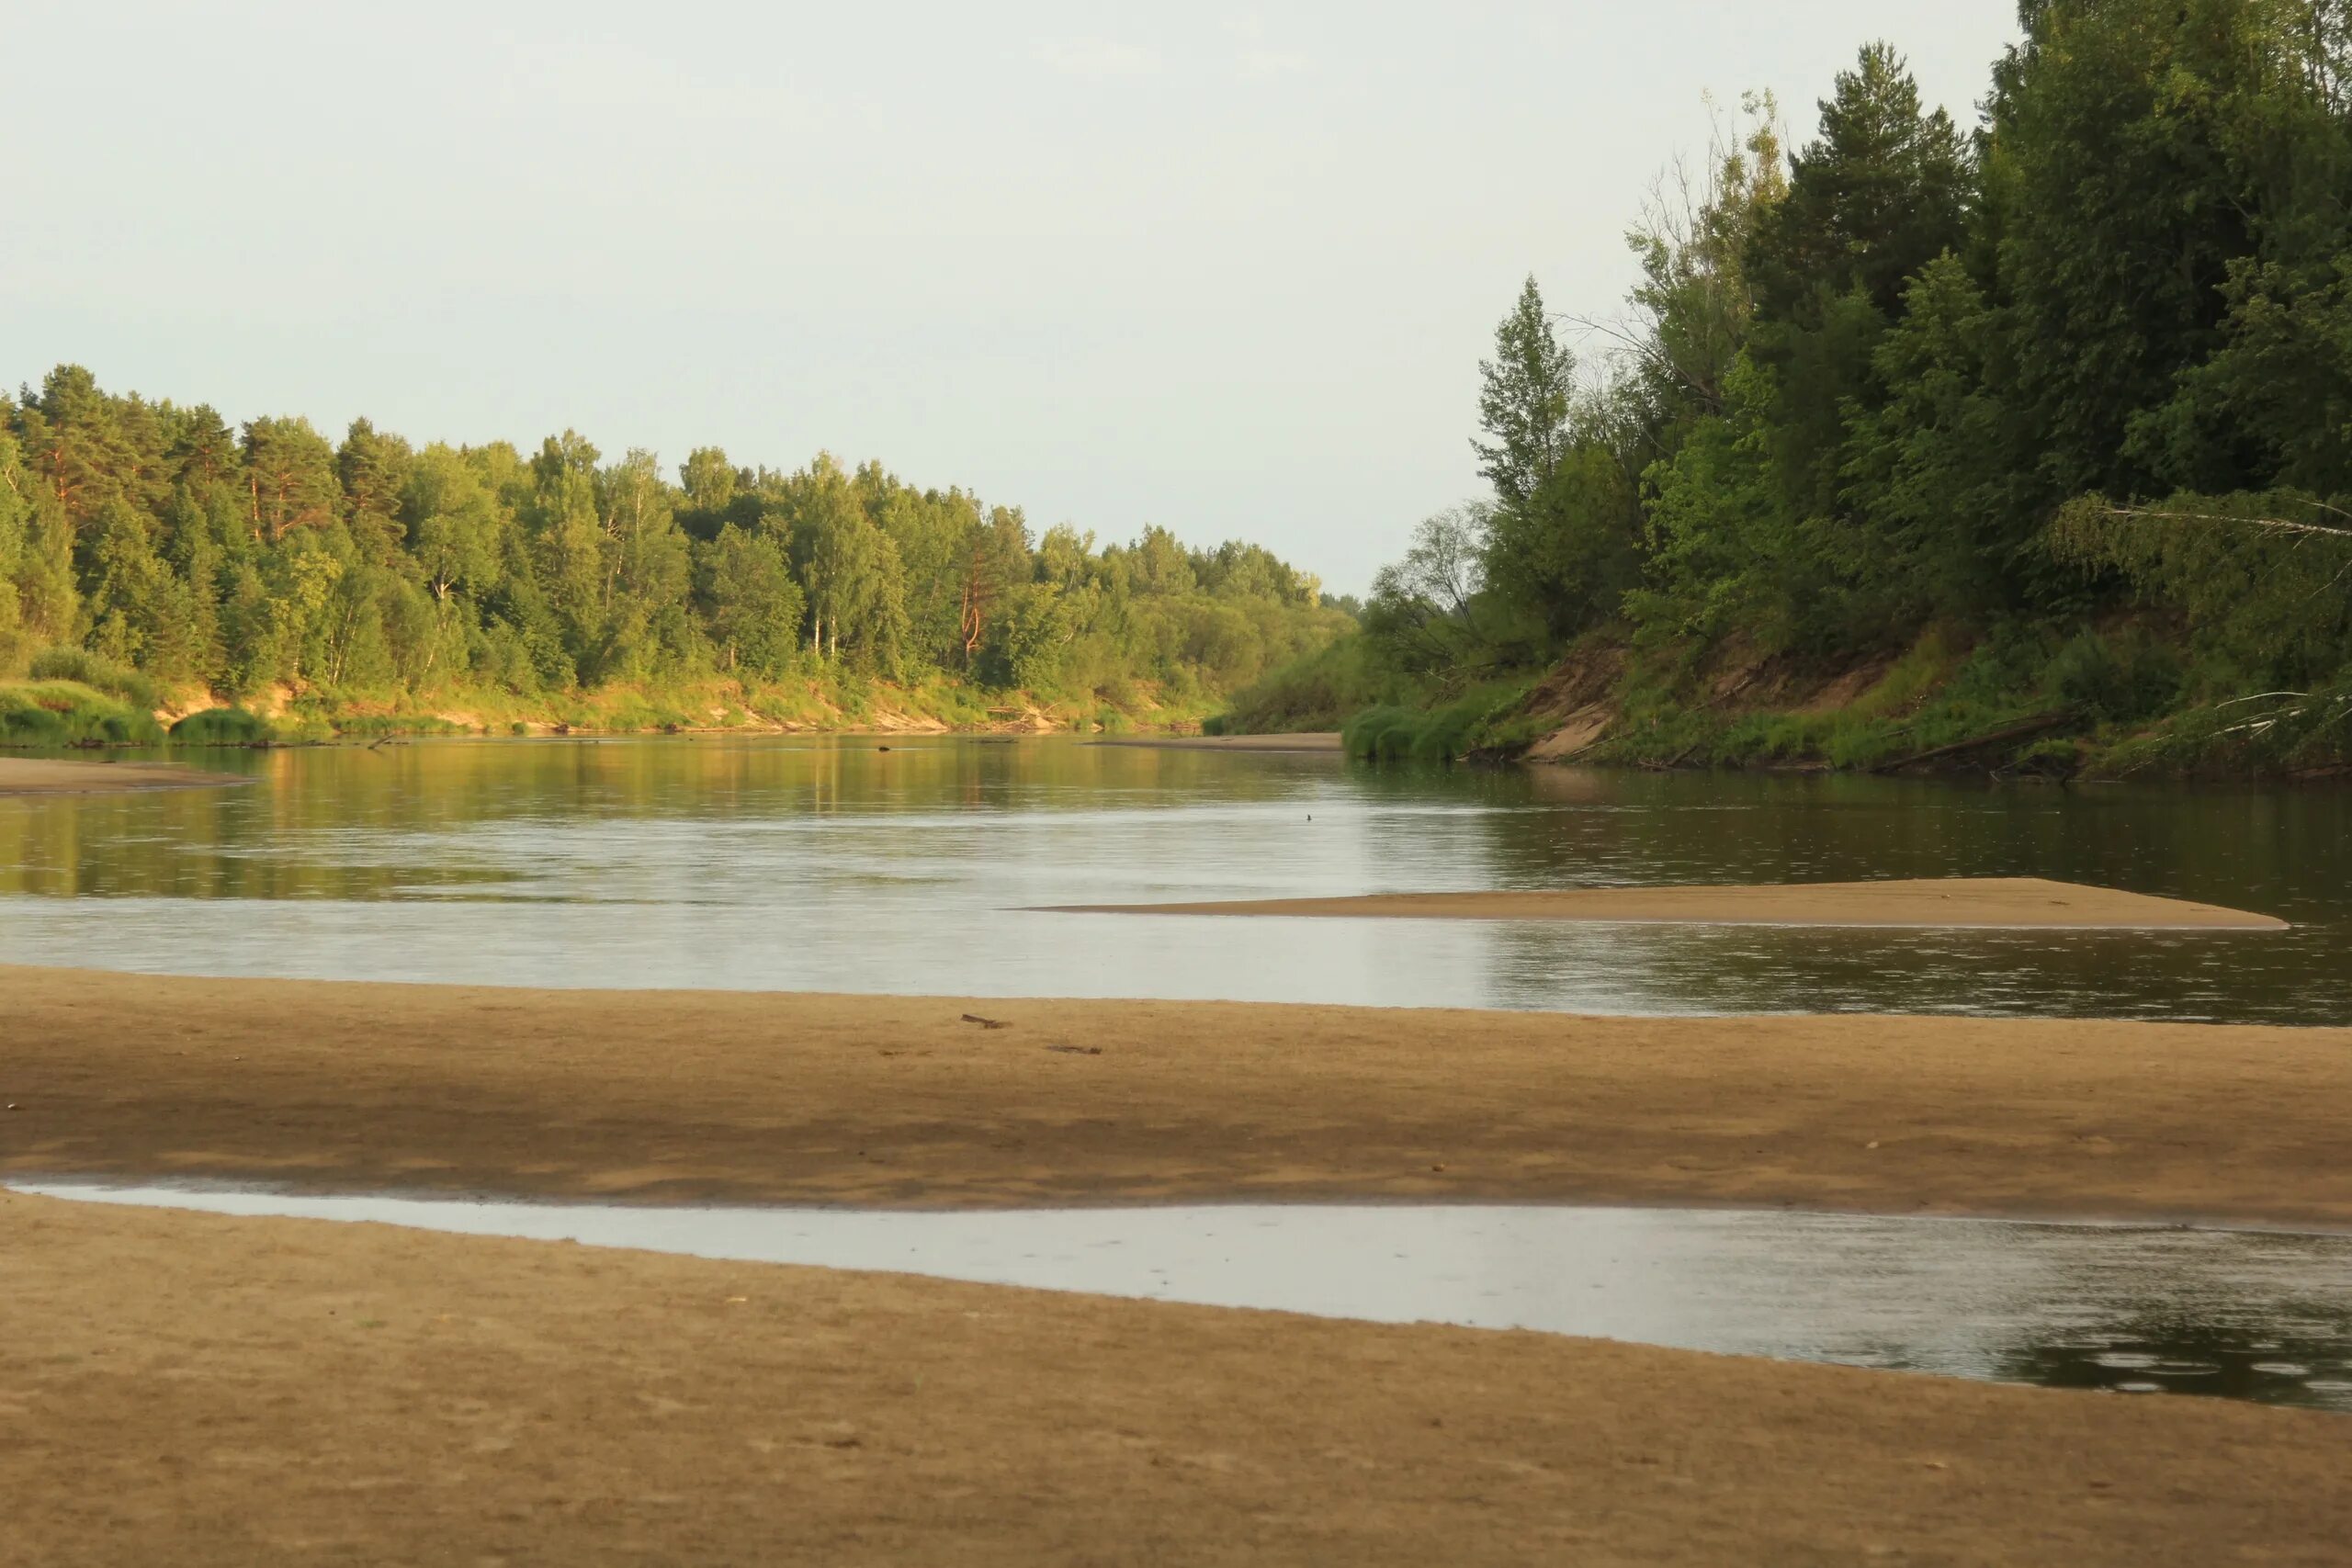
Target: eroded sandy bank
1990, 902
668, 1095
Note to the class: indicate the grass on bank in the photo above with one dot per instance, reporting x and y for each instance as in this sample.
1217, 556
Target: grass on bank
60, 713
1489, 719
83, 667
2103, 700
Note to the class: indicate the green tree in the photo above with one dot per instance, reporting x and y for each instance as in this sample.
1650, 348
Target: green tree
569, 548
1878, 194
290, 477
372, 467
744, 584
1524, 393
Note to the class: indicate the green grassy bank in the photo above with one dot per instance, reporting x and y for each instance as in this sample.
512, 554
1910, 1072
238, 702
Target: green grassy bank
2096, 701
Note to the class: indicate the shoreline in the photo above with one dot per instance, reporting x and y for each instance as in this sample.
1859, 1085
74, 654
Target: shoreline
897, 1102
369, 1393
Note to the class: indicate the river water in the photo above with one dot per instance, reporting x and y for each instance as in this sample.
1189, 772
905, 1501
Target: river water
2135, 1309
836, 863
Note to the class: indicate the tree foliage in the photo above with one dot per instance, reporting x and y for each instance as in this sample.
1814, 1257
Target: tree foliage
160, 539
2094, 359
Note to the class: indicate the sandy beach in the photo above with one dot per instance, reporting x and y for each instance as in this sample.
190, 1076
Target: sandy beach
185, 1391
181, 1389
681, 1094
2013, 903
55, 775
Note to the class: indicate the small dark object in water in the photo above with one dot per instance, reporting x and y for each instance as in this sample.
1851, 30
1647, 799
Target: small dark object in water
1077, 1050
881, 748
986, 1023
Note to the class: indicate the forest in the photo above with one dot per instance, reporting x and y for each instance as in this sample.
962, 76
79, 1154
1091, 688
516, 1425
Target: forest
2038, 432
156, 555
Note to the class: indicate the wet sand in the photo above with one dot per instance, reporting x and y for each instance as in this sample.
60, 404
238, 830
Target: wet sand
2008, 903
184, 1391
1304, 740
53, 775
672, 1096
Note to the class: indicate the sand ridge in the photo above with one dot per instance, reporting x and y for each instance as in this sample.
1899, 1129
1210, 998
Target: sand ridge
682, 1095
57, 775
2006, 902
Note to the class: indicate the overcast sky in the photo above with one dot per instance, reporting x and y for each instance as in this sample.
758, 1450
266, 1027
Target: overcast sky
1229, 269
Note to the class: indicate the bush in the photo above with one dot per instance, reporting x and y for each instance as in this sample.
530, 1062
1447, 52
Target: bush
1316, 691
99, 674
1380, 735
2129, 678
224, 727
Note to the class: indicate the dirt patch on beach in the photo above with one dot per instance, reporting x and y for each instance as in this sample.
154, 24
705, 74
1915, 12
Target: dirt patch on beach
2009, 902
54, 776
913, 1100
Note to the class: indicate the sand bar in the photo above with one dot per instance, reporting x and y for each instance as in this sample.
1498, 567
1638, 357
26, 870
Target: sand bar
1304, 741
2006, 902
57, 775
682, 1095
186, 1391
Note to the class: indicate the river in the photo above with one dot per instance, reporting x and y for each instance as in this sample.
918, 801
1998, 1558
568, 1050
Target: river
909, 865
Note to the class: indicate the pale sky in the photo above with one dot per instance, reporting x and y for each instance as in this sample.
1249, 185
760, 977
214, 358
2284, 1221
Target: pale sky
1230, 269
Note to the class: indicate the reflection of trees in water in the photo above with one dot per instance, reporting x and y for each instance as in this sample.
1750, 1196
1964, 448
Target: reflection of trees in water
2211, 1356
2282, 851
349, 822
2290, 977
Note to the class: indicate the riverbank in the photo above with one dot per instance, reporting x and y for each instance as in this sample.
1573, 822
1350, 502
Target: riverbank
921, 1101
1981, 903
52, 775
832, 701
2046, 702
201, 1390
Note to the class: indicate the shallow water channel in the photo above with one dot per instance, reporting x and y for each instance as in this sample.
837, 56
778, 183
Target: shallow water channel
2247, 1314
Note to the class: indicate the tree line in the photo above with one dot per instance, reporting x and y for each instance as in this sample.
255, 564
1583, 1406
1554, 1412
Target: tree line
2088, 363
162, 538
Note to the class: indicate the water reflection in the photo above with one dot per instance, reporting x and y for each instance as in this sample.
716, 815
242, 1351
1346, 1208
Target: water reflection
833, 863
2241, 1314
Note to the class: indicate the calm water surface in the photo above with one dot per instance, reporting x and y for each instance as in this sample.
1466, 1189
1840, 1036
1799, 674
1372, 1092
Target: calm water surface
2255, 1315
835, 864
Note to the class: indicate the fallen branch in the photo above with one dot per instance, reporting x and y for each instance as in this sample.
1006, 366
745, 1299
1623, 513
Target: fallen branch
2022, 729
2276, 524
